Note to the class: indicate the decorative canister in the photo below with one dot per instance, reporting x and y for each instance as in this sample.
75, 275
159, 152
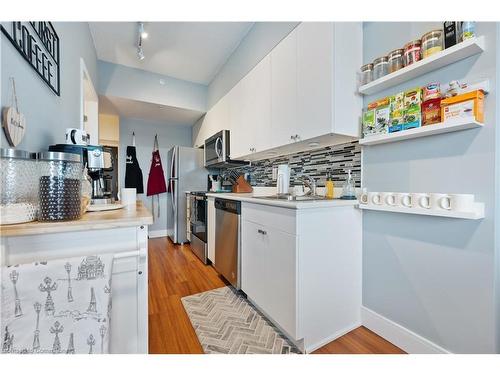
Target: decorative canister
412, 52
60, 188
395, 60
380, 67
366, 74
19, 189
432, 42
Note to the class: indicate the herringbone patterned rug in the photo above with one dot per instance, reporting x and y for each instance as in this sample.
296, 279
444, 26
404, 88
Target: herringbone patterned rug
225, 322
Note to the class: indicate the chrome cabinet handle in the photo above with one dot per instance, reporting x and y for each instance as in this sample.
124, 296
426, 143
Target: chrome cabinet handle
262, 231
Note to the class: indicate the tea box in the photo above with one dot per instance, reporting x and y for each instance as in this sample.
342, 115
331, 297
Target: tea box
412, 108
470, 104
431, 111
368, 122
382, 119
397, 112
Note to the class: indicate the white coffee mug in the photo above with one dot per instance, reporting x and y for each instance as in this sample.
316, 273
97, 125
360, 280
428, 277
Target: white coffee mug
406, 200
439, 201
460, 202
388, 198
76, 137
421, 200
374, 198
363, 198
128, 196
398, 197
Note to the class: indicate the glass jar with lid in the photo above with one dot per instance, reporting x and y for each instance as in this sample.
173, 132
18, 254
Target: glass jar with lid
60, 187
19, 189
412, 52
395, 59
380, 67
432, 42
366, 74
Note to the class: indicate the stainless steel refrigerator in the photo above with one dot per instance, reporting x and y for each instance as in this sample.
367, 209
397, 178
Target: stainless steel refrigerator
186, 173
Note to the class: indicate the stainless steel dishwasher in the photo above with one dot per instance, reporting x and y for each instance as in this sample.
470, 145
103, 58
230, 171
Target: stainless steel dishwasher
227, 240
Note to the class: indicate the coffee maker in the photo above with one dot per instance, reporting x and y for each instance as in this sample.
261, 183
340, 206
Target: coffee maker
93, 158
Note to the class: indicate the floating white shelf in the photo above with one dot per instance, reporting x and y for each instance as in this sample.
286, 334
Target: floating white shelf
448, 56
423, 131
477, 214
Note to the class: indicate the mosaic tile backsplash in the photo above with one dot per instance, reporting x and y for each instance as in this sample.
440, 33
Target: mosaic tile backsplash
336, 159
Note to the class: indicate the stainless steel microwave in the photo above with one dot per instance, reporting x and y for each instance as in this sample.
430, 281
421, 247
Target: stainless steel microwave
217, 151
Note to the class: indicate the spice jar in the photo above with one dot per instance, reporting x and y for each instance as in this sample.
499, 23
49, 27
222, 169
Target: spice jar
19, 189
60, 188
395, 60
432, 42
412, 52
366, 74
380, 67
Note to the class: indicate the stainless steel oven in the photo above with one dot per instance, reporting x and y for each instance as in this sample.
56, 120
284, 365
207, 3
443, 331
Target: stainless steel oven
198, 225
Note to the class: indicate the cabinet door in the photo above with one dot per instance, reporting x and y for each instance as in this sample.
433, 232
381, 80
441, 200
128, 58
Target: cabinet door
211, 229
314, 78
250, 111
284, 91
219, 116
239, 139
269, 269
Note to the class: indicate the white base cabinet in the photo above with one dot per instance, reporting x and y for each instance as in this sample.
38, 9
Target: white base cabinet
302, 269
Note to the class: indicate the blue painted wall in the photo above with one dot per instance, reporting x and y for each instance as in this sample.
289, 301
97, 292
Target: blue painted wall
434, 276
47, 114
169, 135
259, 41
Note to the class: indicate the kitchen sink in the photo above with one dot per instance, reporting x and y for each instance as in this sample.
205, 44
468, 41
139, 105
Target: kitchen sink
294, 198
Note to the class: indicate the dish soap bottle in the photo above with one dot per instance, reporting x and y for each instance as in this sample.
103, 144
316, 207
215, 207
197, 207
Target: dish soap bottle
329, 187
348, 190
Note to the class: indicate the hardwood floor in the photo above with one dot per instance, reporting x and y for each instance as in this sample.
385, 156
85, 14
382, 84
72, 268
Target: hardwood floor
175, 272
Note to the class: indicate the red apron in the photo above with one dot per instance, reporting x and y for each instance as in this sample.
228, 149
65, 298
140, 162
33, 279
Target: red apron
156, 180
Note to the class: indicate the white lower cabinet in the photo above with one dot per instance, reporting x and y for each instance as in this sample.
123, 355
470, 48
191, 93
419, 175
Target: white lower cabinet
265, 249
302, 269
211, 228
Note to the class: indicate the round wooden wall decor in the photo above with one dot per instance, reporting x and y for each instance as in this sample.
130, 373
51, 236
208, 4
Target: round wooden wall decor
14, 125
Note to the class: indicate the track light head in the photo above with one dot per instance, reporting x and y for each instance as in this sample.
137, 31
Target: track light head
142, 31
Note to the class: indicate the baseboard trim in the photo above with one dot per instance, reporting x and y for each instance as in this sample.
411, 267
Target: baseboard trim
157, 233
329, 339
400, 336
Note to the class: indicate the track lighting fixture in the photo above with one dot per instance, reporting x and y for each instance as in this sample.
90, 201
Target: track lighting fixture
142, 34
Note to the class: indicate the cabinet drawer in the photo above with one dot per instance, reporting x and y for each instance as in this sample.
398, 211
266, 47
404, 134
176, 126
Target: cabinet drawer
283, 219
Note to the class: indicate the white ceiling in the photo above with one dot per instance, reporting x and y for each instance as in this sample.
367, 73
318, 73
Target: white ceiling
147, 111
192, 51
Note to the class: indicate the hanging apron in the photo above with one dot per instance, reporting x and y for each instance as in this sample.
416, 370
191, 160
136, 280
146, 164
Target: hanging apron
156, 180
133, 173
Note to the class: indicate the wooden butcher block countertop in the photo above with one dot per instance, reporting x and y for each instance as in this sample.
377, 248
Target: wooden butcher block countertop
124, 217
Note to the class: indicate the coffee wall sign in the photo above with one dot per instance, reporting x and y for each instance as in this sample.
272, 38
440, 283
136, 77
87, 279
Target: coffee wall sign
38, 43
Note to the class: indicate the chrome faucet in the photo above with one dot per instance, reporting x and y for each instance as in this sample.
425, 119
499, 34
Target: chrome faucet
309, 182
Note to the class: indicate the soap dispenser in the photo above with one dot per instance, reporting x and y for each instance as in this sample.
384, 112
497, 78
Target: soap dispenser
349, 190
329, 187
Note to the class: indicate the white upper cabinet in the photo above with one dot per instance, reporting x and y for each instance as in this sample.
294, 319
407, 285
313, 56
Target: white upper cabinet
284, 124
314, 78
328, 57
250, 111
302, 94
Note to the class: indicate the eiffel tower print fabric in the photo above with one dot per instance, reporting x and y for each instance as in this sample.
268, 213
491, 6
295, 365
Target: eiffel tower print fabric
58, 306
226, 323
